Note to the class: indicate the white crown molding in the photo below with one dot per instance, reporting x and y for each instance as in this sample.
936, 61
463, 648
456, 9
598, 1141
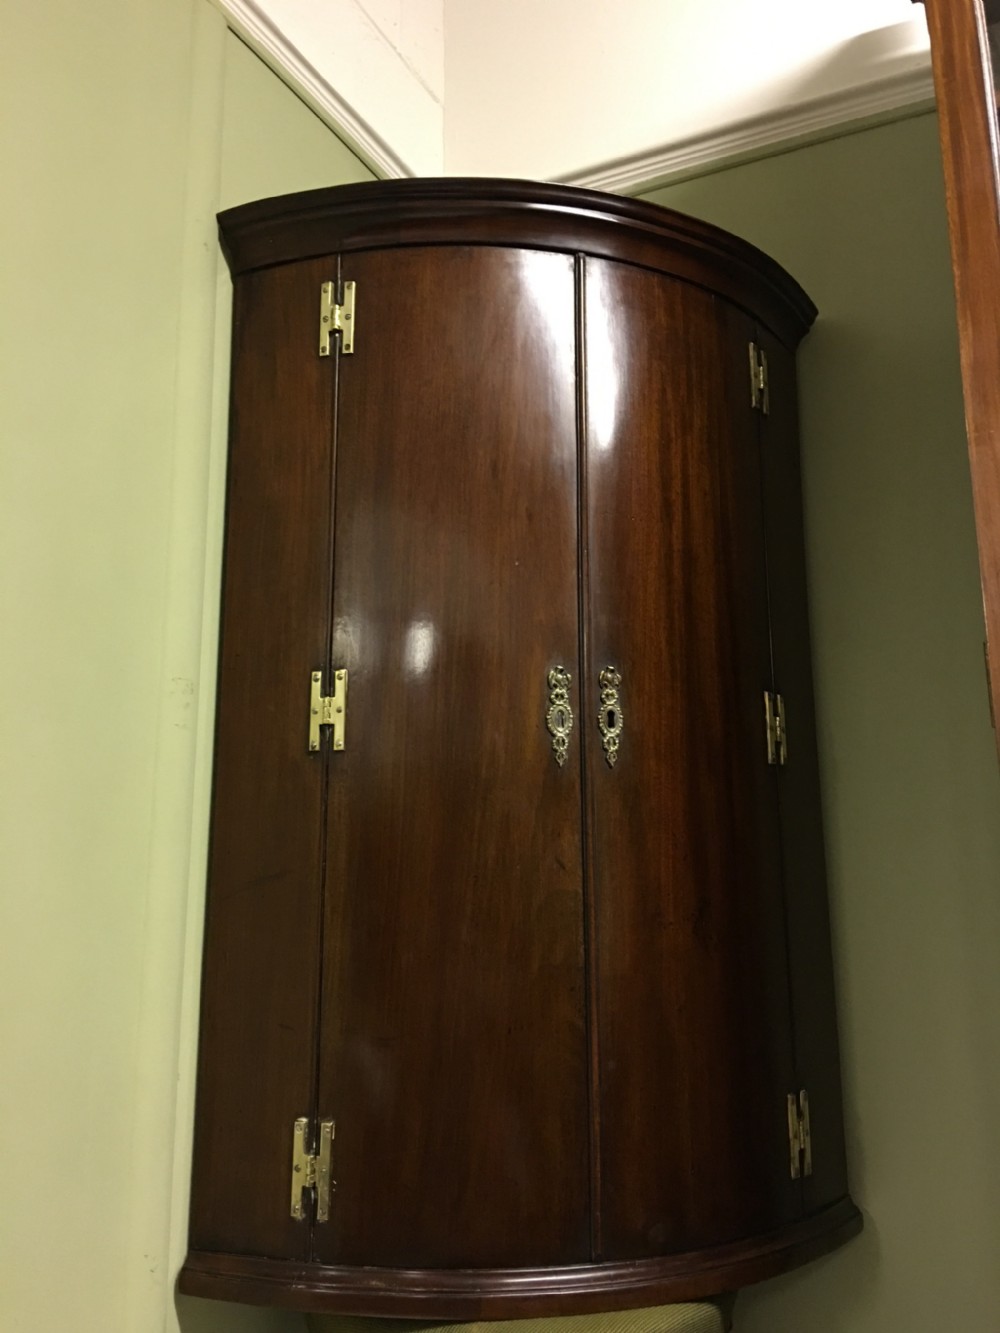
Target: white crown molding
774, 128
894, 97
294, 68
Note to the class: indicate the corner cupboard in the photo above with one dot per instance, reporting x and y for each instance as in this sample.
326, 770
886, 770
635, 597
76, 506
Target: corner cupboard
517, 992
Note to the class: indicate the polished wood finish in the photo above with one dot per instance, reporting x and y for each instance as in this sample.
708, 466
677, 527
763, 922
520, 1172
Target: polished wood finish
686, 868
468, 1294
555, 1011
964, 80
453, 1053
260, 975
525, 214
810, 956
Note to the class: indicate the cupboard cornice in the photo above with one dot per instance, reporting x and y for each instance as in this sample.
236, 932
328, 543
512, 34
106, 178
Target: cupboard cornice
525, 214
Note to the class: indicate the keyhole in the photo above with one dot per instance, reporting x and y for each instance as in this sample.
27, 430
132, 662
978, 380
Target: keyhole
611, 718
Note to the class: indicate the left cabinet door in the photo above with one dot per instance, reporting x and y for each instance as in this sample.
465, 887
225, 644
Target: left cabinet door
261, 964
453, 1053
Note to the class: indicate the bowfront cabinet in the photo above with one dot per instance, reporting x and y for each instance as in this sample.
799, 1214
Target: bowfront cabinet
517, 988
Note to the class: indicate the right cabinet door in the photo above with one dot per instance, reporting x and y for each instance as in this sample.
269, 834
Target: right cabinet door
810, 954
690, 973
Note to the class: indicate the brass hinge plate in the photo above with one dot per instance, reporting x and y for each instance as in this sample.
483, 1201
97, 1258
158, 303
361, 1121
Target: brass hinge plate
760, 395
334, 318
312, 1170
776, 729
799, 1135
328, 710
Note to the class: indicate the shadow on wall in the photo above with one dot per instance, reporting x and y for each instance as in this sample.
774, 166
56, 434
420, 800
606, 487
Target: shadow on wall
199, 1316
891, 59
837, 1290
881, 70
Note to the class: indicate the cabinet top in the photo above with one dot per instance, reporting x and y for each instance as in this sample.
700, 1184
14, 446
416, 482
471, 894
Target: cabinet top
378, 215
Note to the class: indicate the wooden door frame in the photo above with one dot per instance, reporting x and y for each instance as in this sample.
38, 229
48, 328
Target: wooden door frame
969, 144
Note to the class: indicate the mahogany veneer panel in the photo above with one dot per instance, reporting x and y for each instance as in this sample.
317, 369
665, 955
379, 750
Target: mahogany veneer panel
817, 1061
686, 863
260, 983
453, 1053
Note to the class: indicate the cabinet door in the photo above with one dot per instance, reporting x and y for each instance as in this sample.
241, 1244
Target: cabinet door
694, 1048
452, 1054
810, 954
261, 968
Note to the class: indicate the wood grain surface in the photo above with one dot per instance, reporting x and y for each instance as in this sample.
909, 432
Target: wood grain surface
466, 1294
453, 1052
967, 117
525, 214
554, 1010
817, 1058
261, 961
695, 1032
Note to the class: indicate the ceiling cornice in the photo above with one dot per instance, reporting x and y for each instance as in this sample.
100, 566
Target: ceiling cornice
893, 97
295, 68
774, 129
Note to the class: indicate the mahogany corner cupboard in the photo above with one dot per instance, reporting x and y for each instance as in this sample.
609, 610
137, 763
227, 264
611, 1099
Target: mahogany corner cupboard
518, 994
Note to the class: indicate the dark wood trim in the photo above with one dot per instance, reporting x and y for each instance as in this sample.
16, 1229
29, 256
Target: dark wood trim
967, 113
482, 211
466, 1294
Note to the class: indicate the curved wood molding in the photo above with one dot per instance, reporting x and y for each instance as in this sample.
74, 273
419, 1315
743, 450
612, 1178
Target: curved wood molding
482, 211
467, 1294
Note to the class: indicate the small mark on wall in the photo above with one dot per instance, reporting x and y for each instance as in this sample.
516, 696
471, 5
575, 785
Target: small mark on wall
180, 699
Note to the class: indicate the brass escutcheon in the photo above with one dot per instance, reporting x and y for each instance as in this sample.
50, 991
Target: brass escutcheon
609, 719
559, 718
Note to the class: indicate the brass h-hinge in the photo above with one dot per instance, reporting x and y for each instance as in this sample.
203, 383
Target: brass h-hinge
760, 396
777, 733
328, 710
799, 1135
311, 1169
334, 318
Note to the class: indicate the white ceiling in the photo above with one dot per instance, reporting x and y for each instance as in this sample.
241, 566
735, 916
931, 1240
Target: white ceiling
607, 93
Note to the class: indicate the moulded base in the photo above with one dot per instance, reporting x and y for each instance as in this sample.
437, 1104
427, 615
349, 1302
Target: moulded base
517, 1293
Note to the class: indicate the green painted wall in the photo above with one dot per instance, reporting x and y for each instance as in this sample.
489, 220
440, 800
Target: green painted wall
126, 124
911, 786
